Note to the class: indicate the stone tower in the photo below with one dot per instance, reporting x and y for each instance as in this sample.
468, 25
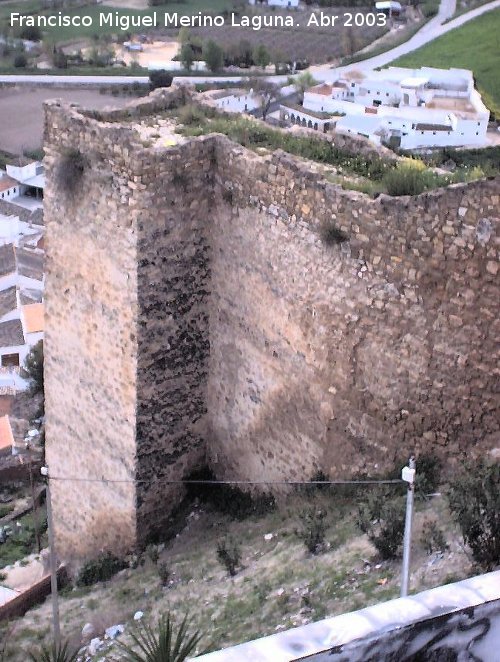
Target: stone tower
195, 315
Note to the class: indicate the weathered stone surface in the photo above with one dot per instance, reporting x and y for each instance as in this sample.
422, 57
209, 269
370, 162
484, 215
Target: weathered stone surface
187, 325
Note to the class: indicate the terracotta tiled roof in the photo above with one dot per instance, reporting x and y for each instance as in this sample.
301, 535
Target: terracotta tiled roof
33, 317
7, 182
323, 89
6, 436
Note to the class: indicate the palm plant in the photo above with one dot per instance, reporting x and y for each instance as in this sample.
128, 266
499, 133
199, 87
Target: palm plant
55, 653
160, 644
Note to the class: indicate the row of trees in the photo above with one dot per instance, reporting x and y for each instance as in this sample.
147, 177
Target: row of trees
240, 54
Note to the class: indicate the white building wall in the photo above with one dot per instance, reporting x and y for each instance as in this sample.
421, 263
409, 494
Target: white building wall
22, 350
238, 103
11, 193
22, 172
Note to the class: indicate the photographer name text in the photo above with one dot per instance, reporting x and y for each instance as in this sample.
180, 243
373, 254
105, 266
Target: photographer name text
125, 23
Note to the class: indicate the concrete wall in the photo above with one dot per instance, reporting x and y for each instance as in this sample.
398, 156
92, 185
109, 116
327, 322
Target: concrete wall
193, 311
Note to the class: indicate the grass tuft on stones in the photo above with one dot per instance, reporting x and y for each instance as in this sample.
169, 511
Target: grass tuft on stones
70, 171
331, 235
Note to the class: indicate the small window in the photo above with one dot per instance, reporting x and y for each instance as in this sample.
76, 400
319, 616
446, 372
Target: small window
387, 94
422, 132
10, 360
477, 133
479, 123
433, 133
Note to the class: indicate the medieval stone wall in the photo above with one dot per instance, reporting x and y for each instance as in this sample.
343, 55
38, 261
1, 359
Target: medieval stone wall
194, 314
343, 357
173, 343
90, 339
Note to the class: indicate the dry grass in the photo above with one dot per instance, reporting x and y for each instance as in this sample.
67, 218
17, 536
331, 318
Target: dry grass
280, 585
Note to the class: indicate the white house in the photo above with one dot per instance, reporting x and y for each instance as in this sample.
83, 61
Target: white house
25, 177
235, 101
9, 188
410, 108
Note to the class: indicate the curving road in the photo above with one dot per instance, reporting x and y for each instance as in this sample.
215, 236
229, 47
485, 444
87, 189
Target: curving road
430, 31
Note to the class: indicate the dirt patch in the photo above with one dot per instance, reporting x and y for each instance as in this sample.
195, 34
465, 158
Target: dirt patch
21, 112
158, 52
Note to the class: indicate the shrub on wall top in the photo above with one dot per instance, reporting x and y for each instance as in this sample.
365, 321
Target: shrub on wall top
70, 170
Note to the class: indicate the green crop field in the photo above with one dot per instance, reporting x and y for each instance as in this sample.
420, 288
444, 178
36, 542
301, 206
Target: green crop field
475, 46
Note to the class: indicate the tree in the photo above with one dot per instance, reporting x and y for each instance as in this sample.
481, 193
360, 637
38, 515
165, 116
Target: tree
31, 33
303, 83
60, 59
212, 55
261, 56
267, 92
187, 56
474, 496
184, 36
160, 78
32, 369
20, 61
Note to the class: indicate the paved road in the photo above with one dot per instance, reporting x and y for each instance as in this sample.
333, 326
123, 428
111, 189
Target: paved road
431, 30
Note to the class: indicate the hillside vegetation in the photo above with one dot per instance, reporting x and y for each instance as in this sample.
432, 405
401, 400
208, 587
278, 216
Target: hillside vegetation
475, 46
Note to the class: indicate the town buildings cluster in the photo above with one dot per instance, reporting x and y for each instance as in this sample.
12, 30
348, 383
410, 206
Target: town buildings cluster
21, 280
405, 108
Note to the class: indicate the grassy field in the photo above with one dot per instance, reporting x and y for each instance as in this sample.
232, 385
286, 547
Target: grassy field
475, 46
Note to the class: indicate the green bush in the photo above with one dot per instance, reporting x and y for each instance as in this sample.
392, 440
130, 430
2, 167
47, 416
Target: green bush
229, 555
383, 520
53, 653
164, 573
191, 115
153, 552
20, 61
313, 530
432, 538
408, 179
160, 78
474, 497
430, 9
100, 569
160, 644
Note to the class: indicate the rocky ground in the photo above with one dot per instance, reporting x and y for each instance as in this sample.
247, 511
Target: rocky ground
278, 585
